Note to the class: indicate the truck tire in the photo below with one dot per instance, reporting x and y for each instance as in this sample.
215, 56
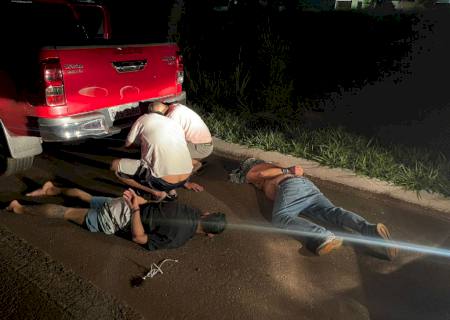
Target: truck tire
17, 165
9, 166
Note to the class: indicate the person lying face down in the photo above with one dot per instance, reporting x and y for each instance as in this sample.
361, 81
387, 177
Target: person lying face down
295, 199
153, 225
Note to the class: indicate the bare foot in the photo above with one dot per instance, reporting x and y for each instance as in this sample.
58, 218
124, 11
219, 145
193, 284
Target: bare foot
15, 207
48, 189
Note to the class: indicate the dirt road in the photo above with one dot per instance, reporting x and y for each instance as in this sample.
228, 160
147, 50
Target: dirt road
239, 274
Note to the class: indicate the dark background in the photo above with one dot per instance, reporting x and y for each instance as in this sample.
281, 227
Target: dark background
376, 72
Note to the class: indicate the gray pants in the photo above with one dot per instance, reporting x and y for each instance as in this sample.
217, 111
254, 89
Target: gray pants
200, 151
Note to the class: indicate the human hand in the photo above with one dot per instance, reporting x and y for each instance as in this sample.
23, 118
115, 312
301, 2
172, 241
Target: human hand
296, 170
193, 186
159, 195
131, 198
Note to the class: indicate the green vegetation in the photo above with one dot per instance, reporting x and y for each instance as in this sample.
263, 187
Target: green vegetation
411, 168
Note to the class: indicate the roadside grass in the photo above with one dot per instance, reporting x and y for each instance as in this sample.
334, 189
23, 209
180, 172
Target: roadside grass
412, 168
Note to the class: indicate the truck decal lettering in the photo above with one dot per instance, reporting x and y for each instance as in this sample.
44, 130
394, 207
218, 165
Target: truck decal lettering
73, 66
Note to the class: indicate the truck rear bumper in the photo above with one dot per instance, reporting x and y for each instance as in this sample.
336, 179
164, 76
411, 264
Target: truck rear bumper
96, 124
92, 125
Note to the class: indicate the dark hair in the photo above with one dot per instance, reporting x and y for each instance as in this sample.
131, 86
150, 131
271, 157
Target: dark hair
214, 222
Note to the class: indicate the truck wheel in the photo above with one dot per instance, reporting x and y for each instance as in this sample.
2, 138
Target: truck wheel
9, 166
3, 157
17, 165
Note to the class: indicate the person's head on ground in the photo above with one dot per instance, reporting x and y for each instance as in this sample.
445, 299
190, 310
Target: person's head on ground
158, 107
212, 223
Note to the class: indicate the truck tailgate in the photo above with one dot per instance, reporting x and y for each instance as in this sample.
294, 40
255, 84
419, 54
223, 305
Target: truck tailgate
106, 76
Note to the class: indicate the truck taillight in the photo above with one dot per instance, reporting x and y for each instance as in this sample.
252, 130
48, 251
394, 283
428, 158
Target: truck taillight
180, 71
54, 83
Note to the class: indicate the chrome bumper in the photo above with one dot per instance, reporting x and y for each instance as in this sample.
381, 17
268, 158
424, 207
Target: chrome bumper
92, 125
96, 124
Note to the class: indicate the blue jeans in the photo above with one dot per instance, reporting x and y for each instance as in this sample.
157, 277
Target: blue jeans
298, 198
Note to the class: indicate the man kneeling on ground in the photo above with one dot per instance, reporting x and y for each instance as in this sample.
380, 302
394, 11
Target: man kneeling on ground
296, 198
165, 164
153, 225
198, 136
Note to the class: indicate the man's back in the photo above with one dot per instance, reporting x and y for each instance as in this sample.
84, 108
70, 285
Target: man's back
268, 185
169, 225
163, 146
194, 127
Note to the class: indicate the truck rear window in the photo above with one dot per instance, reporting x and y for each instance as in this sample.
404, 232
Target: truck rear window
91, 18
40, 24
147, 23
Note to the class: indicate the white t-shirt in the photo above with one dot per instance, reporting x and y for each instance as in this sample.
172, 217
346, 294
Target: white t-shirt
163, 146
195, 129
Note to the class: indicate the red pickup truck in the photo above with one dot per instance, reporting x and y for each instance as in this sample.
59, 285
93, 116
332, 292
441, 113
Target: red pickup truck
64, 77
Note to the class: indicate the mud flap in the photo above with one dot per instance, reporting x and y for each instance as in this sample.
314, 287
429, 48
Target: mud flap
17, 152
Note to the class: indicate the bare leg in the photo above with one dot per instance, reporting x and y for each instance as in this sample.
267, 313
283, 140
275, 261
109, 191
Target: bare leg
45, 210
77, 193
129, 181
77, 215
49, 189
196, 164
160, 195
114, 165
54, 211
134, 184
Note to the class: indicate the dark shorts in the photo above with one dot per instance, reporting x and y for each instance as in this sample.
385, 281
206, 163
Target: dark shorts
133, 169
162, 185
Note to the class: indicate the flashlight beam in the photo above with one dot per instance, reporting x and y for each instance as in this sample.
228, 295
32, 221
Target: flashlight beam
357, 239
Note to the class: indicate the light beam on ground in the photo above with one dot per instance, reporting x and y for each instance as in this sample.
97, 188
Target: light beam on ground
350, 238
